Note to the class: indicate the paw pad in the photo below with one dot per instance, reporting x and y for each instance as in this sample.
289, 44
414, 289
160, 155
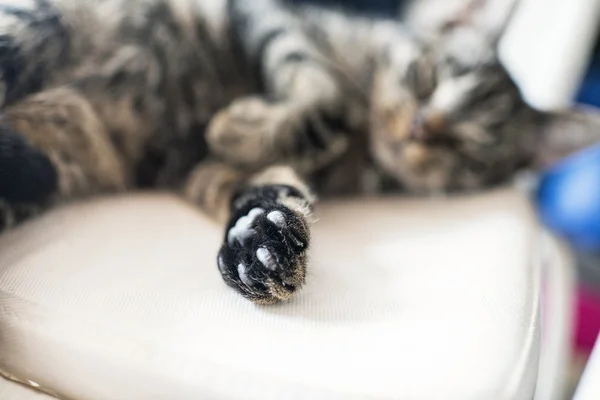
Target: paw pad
266, 258
264, 254
242, 230
277, 218
243, 274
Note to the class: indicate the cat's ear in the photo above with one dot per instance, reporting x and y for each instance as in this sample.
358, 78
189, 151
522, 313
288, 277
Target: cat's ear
561, 134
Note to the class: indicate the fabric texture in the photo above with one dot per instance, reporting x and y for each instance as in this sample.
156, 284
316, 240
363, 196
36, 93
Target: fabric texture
406, 300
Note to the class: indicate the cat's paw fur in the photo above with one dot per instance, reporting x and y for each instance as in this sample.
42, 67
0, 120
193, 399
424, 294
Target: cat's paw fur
265, 253
245, 132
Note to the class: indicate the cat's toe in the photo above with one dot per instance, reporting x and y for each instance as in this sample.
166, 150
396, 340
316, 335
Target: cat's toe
264, 254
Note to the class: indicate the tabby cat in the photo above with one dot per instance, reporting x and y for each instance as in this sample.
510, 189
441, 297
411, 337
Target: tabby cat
235, 103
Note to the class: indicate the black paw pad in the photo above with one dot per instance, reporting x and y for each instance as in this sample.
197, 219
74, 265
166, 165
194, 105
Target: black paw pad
26, 174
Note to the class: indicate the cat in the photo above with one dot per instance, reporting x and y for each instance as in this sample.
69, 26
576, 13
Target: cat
244, 108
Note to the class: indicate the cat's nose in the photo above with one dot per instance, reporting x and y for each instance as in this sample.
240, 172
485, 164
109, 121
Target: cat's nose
429, 125
434, 122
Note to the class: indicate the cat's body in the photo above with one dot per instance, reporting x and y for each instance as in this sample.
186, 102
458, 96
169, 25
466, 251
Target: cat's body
210, 97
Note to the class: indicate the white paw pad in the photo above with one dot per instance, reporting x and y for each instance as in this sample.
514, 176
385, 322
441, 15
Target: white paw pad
221, 265
266, 258
243, 274
242, 231
277, 218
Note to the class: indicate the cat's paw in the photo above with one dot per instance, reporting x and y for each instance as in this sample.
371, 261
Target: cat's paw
249, 131
27, 176
265, 253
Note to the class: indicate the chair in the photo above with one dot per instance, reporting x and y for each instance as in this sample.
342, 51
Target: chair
407, 300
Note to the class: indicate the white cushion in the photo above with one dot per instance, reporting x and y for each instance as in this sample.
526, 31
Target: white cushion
121, 299
14, 391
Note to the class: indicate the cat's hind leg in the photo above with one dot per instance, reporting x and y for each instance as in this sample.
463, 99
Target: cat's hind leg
54, 147
85, 137
265, 249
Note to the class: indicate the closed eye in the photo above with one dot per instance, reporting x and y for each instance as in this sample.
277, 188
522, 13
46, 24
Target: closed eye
421, 78
456, 68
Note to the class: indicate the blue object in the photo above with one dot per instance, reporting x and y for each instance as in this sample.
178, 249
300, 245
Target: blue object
589, 92
569, 199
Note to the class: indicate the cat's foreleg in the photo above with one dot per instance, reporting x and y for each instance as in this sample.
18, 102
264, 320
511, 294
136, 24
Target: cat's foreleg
267, 235
303, 94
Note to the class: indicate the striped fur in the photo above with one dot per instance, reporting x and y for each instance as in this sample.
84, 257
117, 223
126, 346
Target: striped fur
210, 98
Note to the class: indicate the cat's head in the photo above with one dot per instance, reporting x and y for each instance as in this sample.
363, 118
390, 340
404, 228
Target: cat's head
456, 121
